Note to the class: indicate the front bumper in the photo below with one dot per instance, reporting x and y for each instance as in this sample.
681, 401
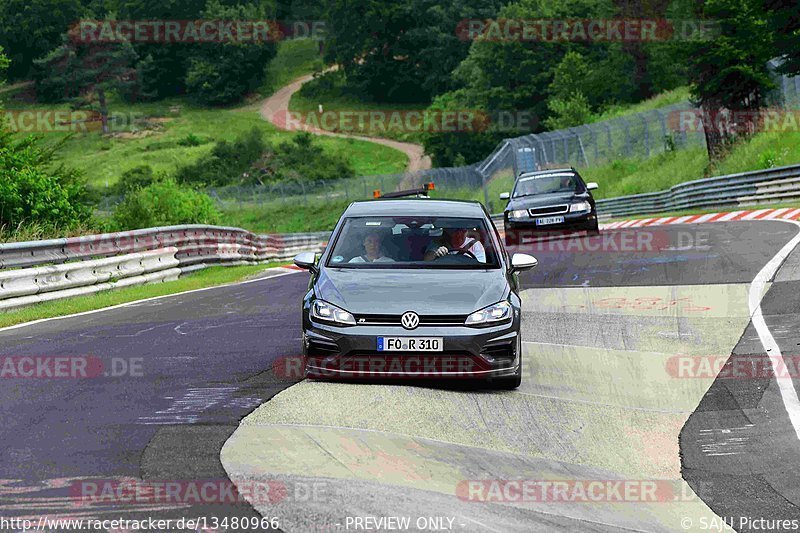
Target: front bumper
468, 353
519, 230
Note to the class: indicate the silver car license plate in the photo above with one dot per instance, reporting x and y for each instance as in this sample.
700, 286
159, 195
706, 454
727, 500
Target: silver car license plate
549, 220
410, 344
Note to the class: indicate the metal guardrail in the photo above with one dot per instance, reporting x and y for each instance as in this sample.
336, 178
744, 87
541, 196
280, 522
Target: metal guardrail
38, 271
743, 189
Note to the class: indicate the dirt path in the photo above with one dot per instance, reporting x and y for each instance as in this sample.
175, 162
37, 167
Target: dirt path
276, 107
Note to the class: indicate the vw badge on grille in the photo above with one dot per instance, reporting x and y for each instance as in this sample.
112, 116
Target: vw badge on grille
410, 320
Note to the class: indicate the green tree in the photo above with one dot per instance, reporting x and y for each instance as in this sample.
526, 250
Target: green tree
29, 29
730, 72
162, 69
567, 103
400, 51
784, 19
88, 73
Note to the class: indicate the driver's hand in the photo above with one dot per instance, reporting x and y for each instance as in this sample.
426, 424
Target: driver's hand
441, 251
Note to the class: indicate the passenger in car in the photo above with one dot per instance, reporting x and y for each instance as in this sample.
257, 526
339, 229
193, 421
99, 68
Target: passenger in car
373, 251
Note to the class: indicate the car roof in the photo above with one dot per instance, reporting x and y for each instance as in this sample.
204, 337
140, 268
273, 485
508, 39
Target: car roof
453, 208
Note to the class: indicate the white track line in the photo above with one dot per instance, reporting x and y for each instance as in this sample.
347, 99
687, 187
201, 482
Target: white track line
135, 302
786, 386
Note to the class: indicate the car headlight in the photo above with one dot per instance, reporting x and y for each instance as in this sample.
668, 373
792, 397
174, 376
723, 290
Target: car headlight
322, 310
519, 213
580, 206
498, 312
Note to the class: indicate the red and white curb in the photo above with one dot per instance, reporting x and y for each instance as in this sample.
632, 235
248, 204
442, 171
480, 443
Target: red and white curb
786, 213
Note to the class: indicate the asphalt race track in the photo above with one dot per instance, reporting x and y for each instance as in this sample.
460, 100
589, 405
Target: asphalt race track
646, 368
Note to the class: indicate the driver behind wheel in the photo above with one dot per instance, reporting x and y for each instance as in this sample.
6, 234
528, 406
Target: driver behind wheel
455, 241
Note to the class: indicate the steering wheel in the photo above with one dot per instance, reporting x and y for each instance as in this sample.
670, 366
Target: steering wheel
464, 251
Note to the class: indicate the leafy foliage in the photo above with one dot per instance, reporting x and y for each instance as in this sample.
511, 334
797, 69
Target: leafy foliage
86, 74
731, 71
400, 51
136, 178
303, 159
29, 29
33, 189
227, 163
164, 203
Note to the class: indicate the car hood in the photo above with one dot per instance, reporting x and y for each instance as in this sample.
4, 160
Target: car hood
426, 292
545, 200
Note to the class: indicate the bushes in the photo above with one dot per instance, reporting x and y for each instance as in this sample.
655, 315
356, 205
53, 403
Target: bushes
303, 159
136, 178
227, 162
248, 160
33, 190
164, 203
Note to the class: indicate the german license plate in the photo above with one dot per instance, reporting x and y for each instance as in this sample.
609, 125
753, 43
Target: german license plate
549, 220
410, 344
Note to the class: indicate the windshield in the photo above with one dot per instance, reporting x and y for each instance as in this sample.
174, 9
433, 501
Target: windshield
547, 183
414, 242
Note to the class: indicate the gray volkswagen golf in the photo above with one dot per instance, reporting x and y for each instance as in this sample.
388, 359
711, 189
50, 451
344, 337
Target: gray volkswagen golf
414, 289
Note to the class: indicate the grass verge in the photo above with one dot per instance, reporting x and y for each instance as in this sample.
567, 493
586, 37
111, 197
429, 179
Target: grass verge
209, 277
295, 217
675, 96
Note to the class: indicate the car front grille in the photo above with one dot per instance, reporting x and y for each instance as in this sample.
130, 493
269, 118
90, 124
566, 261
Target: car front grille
424, 320
550, 210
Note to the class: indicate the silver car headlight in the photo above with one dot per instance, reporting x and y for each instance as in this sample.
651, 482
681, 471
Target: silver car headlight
322, 310
580, 206
519, 213
499, 312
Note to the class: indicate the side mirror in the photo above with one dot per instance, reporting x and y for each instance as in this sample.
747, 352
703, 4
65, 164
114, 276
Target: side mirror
520, 262
505, 195
306, 261
591, 186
